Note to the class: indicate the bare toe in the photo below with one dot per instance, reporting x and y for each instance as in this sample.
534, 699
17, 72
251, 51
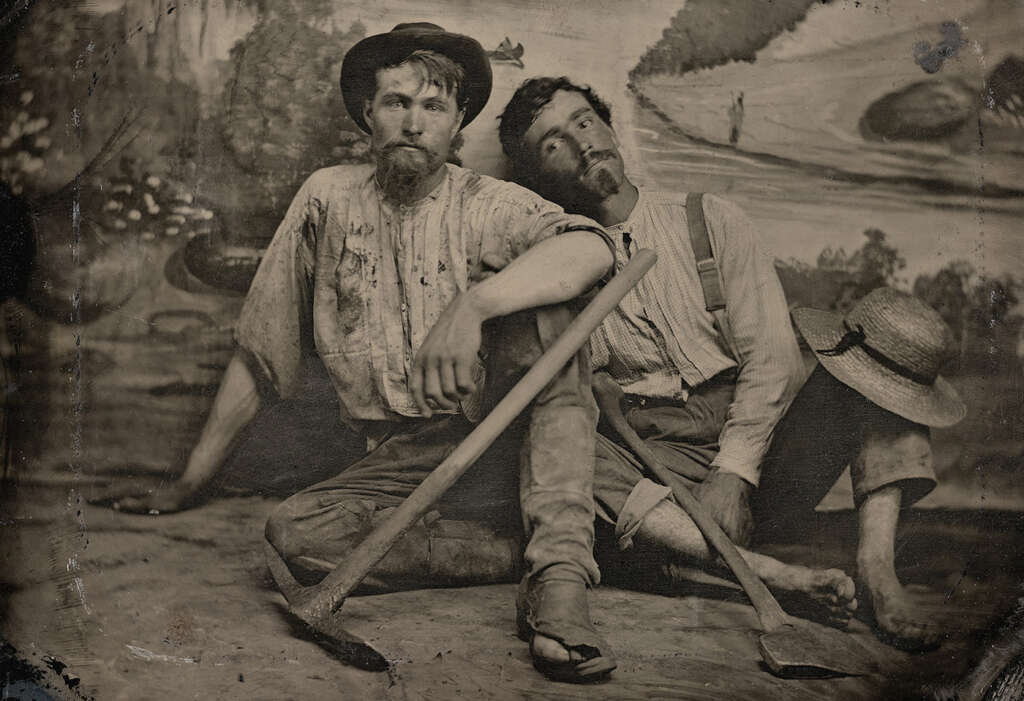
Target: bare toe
552, 650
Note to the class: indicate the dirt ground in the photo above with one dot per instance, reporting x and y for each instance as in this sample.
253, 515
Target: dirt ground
105, 605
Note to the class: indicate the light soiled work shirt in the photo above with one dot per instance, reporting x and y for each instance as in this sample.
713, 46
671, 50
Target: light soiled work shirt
361, 281
661, 341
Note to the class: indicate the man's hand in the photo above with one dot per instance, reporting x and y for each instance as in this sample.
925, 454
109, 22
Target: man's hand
443, 370
140, 499
727, 497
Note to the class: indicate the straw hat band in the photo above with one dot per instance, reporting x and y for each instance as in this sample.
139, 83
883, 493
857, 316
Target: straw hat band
890, 348
856, 338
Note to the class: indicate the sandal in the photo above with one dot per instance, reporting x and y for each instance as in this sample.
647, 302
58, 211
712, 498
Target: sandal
557, 609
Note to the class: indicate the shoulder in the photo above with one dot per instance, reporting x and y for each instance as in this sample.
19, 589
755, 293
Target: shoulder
482, 188
337, 180
723, 209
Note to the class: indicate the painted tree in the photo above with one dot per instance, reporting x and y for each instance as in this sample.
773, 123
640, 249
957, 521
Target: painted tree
707, 33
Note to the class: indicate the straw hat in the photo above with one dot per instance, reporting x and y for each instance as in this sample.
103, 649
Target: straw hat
889, 348
359, 68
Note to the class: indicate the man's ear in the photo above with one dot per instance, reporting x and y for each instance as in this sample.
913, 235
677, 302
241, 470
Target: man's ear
367, 111
457, 127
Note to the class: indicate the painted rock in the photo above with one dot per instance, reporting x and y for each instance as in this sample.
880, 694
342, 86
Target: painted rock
227, 266
924, 111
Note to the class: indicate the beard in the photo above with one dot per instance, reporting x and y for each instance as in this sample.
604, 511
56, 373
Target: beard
580, 192
400, 172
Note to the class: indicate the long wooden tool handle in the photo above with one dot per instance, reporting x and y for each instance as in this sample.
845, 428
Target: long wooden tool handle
768, 610
339, 583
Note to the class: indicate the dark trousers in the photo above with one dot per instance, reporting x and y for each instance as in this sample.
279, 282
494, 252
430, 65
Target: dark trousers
827, 427
473, 535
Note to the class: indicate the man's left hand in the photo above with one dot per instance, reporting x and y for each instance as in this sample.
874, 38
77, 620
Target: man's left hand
442, 373
727, 497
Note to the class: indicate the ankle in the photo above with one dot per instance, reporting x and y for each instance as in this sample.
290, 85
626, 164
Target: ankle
878, 575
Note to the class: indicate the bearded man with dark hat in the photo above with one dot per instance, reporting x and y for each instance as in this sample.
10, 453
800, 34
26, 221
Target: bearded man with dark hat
704, 363
373, 272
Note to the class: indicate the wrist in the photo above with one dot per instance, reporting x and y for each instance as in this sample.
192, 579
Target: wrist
478, 302
738, 481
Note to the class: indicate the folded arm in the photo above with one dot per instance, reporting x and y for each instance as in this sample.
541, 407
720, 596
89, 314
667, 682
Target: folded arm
555, 270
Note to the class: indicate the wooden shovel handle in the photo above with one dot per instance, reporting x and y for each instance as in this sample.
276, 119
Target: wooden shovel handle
768, 610
333, 590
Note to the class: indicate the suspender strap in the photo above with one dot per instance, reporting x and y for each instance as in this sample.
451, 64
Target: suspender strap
707, 268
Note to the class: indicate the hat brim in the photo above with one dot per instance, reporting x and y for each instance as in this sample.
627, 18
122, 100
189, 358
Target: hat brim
936, 405
359, 68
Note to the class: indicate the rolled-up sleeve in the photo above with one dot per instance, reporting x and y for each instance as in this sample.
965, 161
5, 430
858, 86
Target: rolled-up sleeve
770, 367
274, 332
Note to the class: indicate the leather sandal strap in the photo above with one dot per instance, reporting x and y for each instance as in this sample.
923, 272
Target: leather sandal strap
558, 609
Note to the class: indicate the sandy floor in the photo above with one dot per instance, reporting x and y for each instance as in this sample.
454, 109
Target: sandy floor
182, 606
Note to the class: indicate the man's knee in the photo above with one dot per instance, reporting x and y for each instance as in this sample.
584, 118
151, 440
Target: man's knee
301, 526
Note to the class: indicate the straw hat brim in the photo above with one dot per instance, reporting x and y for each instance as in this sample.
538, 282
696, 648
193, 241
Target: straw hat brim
936, 405
359, 67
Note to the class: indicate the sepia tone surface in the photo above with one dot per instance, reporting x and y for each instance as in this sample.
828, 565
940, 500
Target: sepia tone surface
157, 144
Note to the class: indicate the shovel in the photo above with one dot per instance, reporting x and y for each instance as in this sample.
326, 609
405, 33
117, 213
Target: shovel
314, 607
791, 647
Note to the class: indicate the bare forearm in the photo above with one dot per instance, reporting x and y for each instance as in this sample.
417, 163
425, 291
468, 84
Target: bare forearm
556, 270
236, 404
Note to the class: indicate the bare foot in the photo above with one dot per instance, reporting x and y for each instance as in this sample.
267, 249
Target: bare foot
824, 594
829, 595
897, 621
550, 649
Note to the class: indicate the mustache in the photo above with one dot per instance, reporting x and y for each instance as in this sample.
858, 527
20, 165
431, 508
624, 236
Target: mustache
594, 158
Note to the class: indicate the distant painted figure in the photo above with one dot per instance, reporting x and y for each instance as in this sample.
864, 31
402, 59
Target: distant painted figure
736, 119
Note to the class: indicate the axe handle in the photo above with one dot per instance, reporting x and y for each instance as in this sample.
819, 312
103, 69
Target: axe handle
333, 590
768, 610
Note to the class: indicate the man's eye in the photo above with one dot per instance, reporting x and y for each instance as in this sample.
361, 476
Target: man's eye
393, 104
552, 146
435, 108
585, 123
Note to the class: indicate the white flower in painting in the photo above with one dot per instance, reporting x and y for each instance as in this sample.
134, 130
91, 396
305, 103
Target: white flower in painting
172, 231
43, 142
113, 206
153, 181
36, 125
134, 215
120, 224
26, 97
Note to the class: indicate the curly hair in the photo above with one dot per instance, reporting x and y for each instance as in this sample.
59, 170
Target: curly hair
521, 111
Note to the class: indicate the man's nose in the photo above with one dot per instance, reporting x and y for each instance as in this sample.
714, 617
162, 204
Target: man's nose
413, 123
583, 145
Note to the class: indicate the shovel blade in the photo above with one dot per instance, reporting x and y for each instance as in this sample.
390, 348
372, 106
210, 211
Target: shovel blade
811, 651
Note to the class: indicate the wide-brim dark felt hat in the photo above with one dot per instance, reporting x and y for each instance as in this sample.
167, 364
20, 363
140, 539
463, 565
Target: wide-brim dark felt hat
359, 69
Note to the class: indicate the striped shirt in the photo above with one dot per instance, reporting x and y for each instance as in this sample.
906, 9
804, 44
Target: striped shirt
661, 340
359, 281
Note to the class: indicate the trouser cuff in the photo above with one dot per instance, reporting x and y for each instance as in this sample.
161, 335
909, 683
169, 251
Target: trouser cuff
644, 497
901, 459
